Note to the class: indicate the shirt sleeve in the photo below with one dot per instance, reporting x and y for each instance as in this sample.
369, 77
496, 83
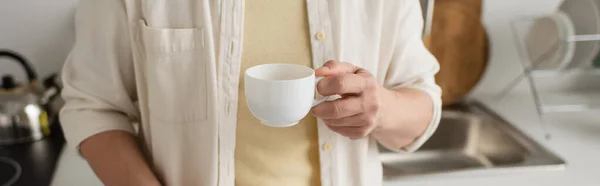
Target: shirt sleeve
413, 66
98, 77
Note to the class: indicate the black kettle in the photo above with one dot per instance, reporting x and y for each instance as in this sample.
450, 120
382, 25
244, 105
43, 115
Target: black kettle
25, 108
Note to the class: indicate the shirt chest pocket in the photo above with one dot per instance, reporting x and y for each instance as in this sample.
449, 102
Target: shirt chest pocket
175, 70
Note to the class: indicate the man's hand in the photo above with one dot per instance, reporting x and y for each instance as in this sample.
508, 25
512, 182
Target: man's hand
354, 115
394, 117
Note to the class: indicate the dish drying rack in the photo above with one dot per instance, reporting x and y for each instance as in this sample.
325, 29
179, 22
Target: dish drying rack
567, 88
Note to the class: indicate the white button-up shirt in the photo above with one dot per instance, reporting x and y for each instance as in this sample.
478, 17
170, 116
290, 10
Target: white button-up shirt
172, 68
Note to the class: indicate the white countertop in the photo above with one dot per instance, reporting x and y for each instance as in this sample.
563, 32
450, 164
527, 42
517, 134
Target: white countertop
575, 138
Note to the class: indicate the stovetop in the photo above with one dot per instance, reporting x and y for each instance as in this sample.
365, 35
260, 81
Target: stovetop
11, 171
36, 160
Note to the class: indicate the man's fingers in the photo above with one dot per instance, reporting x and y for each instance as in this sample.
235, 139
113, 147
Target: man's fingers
334, 68
344, 115
342, 84
342, 78
339, 108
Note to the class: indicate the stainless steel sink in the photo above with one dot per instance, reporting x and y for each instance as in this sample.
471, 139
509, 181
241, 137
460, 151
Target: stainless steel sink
470, 137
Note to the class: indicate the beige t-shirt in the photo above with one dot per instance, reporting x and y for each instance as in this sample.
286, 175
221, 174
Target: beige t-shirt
275, 32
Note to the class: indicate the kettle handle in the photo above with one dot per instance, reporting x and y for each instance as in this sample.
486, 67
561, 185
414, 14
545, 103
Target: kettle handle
31, 74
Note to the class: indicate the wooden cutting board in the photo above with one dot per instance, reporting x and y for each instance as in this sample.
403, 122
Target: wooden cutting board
459, 41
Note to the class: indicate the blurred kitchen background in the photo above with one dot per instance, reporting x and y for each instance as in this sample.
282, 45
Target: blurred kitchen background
502, 132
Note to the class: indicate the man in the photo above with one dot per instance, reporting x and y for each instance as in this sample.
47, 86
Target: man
154, 95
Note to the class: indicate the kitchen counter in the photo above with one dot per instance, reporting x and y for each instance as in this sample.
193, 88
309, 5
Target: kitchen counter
574, 136
73, 170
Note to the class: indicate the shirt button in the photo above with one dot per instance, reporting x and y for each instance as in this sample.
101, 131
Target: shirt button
321, 36
327, 147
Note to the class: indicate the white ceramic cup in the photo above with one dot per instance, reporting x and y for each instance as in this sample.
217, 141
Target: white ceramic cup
280, 95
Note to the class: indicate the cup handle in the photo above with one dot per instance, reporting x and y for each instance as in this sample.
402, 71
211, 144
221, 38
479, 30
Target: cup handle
320, 100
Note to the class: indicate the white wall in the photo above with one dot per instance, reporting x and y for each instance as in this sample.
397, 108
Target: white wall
41, 30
